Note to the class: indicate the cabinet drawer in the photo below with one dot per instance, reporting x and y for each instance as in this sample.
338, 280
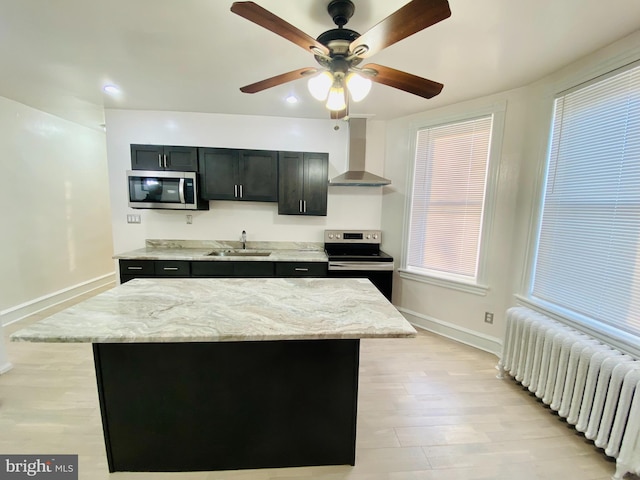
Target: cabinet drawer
136, 267
171, 268
212, 269
301, 269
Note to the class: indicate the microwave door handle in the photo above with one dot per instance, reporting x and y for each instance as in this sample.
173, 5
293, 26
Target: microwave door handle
181, 191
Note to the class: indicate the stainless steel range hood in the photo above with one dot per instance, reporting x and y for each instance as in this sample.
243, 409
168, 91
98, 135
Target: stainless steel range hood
356, 176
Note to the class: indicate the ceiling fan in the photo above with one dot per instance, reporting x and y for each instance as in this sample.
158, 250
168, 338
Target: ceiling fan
340, 51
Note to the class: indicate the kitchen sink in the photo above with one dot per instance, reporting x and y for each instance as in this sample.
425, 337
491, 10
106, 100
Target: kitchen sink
239, 253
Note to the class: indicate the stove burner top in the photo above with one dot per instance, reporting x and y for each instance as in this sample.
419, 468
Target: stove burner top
353, 256
355, 246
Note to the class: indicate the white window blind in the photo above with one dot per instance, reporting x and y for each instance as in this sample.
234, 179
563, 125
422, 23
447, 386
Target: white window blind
448, 198
588, 255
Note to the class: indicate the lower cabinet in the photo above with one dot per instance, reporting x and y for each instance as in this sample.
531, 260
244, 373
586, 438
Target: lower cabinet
130, 269
301, 269
232, 269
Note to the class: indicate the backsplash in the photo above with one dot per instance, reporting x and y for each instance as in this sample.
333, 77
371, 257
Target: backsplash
222, 244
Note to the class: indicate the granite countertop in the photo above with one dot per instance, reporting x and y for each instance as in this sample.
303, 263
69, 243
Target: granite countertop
221, 310
200, 250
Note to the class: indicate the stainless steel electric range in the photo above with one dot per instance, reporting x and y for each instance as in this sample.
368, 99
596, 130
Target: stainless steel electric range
357, 254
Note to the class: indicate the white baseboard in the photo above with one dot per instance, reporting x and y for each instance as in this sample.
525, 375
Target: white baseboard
455, 332
5, 367
36, 305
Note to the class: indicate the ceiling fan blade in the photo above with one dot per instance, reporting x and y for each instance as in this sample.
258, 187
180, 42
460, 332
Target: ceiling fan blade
403, 81
413, 17
260, 16
278, 80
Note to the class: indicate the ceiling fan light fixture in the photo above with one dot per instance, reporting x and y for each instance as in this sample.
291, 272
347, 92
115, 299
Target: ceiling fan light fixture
336, 100
358, 86
319, 85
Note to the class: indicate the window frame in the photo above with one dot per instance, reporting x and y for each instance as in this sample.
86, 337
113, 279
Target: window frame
625, 341
480, 286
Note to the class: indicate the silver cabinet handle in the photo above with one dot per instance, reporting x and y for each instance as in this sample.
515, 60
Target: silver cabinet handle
241, 191
134, 268
301, 269
170, 268
165, 161
235, 191
304, 203
300, 207
159, 160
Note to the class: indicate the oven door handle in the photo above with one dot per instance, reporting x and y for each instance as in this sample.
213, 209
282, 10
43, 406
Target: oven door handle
362, 266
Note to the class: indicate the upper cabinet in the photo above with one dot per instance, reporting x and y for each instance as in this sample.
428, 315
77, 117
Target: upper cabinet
233, 174
160, 157
303, 181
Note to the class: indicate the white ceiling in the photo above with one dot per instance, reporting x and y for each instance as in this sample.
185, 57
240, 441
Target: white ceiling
193, 55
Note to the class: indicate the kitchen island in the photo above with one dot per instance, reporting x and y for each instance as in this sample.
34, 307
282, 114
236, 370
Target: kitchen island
216, 374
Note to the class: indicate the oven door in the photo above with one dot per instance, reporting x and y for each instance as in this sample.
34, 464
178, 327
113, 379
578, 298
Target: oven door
379, 273
165, 190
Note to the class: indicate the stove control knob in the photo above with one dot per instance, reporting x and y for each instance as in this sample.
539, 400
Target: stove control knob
331, 235
338, 236
368, 236
375, 236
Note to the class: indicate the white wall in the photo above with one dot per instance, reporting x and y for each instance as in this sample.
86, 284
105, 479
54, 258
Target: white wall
354, 207
56, 235
527, 119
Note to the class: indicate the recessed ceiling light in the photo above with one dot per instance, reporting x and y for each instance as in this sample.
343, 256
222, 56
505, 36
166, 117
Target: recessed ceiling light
111, 89
292, 99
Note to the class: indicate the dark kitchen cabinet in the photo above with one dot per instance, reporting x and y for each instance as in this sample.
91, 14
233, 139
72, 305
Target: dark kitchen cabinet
303, 180
161, 157
301, 269
246, 269
130, 269
234, 174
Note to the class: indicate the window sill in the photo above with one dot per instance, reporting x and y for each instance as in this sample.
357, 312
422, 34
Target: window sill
459, 285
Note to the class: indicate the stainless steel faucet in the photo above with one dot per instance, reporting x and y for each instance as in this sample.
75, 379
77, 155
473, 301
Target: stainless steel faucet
244, 240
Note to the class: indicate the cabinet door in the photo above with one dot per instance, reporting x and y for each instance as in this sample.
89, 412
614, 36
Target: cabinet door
290, 183
253, 269
258, 175
147, 157
316, 180
183, 159
218, 173
212, 269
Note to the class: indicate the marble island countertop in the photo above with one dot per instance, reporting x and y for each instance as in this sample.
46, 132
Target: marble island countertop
220, 310
201, 249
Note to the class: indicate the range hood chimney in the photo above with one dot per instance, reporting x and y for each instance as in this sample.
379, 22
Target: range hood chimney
356, 176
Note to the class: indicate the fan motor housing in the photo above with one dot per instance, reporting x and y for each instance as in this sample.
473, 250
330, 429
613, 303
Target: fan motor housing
341, 11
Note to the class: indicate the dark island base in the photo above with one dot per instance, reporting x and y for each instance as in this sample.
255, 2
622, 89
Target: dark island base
230, 405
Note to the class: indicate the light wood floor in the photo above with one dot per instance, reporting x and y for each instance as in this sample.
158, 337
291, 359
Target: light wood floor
429, 409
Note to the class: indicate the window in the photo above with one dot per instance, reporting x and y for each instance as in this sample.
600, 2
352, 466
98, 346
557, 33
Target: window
448, 199
587, 260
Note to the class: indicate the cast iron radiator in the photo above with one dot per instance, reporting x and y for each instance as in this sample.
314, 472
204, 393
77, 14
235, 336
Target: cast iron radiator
593, 386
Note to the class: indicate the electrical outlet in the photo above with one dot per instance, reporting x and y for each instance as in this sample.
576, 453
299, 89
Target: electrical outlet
189, 219
488, 317
134, 218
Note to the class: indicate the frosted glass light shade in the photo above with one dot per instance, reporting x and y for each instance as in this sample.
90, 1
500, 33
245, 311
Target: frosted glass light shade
359, 86
319, 85
336, 100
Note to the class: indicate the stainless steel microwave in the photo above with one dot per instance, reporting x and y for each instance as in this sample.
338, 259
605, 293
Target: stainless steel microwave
164, 189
